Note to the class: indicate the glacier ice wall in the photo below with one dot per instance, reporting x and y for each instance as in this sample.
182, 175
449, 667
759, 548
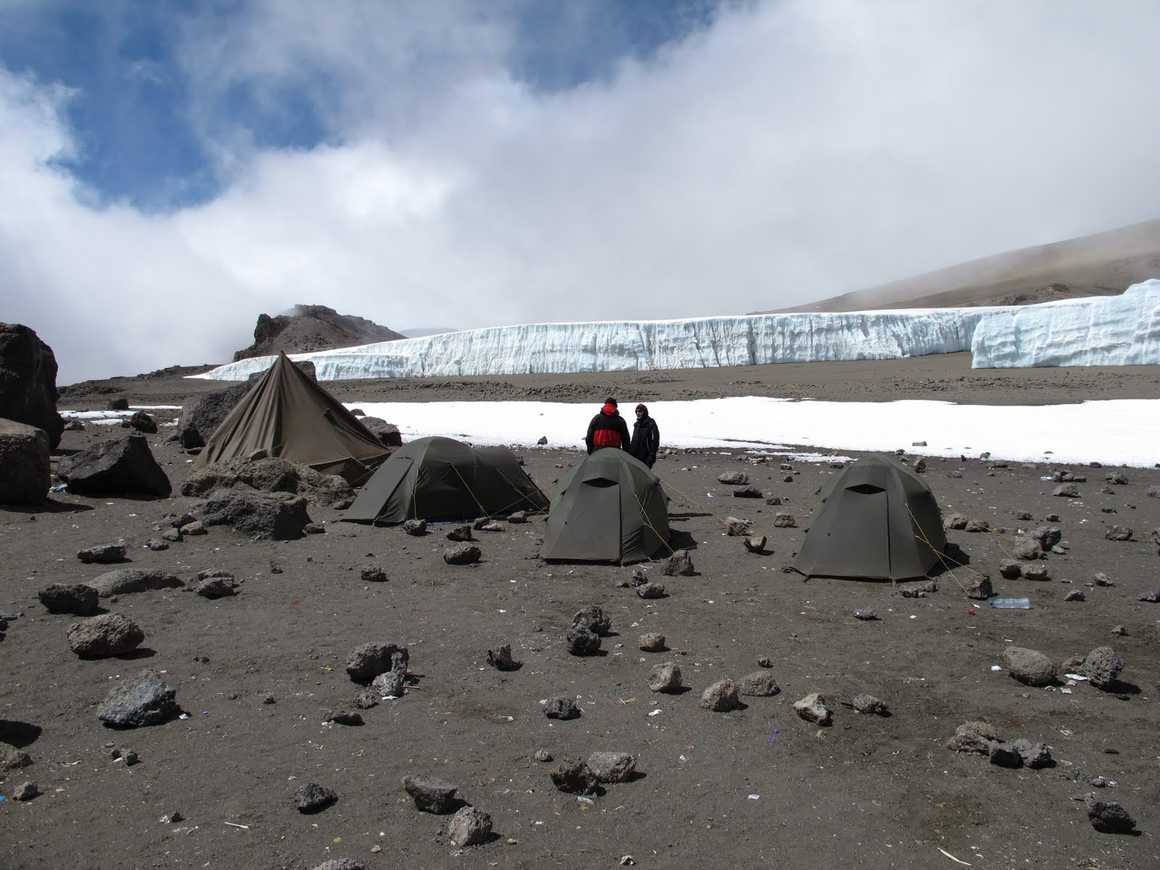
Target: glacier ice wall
1104, 331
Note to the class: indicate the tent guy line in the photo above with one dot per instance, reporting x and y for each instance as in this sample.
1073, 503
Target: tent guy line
1113, 432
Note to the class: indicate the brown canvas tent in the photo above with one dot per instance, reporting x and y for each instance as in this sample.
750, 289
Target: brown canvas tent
879, 521
444, 479
289, 416
610, 508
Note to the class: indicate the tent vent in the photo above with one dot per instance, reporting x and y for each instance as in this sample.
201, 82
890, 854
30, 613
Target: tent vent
865, 488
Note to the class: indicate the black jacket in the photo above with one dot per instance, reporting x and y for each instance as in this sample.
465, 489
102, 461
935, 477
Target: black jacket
611, 421
646, 440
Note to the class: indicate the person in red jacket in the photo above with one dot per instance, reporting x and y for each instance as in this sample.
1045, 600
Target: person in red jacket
607, 429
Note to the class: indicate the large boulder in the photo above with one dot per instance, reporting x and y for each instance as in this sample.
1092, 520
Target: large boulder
28, 381
388, 433
24, 463
272, 475
110, 634
122, 466
200, 417
268, 515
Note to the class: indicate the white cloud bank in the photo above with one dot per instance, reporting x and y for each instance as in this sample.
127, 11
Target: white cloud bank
791, 150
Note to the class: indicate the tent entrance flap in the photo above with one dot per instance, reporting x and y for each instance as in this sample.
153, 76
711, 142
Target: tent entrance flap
595, 533
376, 497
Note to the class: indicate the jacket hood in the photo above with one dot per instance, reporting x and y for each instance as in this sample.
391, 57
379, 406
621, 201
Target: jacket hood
609, 409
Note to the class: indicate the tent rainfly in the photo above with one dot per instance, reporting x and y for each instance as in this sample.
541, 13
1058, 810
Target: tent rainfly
879, 521
444, 479
610, 508
289, 416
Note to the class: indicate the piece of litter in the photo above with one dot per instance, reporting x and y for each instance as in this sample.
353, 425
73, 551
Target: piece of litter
755, 797
236, 825
1065, 691
952, 857
1079, 678
996, 667
655, 712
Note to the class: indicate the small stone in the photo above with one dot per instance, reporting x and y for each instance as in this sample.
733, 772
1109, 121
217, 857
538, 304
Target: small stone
156, 545
76, 599
652, 642
345, 717
469, 827
920, 468
366, 699
171, 535
1066, 490
459, 533
721, 697
1118, 533
1075, 595
373, 574
432, 795
368, 660
733, 478
561, 708
140, 701
869, 705
1009, 569
193, 529
491, 526
216, 587
773, 500
651, 590
759, 684
1028, 666
464, 554
26, 791
574, 777
501, 659
813, 708
1038, 571
1102, 579
1023, 515
866, 614
748, 492
955, 522
975, 736
1119, 630
784, 521
1102, 667
415, 527
978, 587
1005, 755
1027, 549
665, 677
581, 641
594, 619
389, 684
12, 758
109, 634
612, 767
755, 544
1108, 817
172, 818
103, 554
978, 526
764, 662
1152, 597
518, 517
1034, 755
542, 755
314, 798
735, 527
680, 563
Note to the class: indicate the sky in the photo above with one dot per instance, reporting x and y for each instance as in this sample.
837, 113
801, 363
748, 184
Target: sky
170, 168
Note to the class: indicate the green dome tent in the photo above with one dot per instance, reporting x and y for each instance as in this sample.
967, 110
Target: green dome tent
289, 416
879, 521
610, 508
444, 479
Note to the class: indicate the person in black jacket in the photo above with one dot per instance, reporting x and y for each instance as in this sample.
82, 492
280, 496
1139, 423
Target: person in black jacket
646, 437
607, 429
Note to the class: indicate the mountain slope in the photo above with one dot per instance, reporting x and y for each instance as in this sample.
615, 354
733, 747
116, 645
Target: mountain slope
310, 328
1097, 265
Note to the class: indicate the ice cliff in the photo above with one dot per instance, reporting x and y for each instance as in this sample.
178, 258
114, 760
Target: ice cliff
1101, 331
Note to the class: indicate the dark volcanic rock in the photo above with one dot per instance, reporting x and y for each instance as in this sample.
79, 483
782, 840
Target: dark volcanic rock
432, 795
1118, 533
501, 659
759, 684
464, 554
415, 527
264, 515
869, 705
594, 619
574, 777
611, 767
975, 736
121, 466
1102, 667
312, 327
28, 381
680, 564
143, 700
1005, 755
813, 708
200, 417
1028, 666
561, 708
110, 634
216, 587
143, 422
387, 433
748, 492
665, 677
721, 697
77, 599
1034, 755
371, 659
1108, 817
314, 798
581, 641
124, 581
469, 827
103, 554
24, 463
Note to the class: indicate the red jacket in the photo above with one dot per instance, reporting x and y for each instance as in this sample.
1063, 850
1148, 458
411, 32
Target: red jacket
607, 429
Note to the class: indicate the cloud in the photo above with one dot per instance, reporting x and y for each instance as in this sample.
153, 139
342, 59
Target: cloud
780, 153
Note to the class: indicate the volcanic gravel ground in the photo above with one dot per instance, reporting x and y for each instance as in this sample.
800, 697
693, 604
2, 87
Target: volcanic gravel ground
749, 788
